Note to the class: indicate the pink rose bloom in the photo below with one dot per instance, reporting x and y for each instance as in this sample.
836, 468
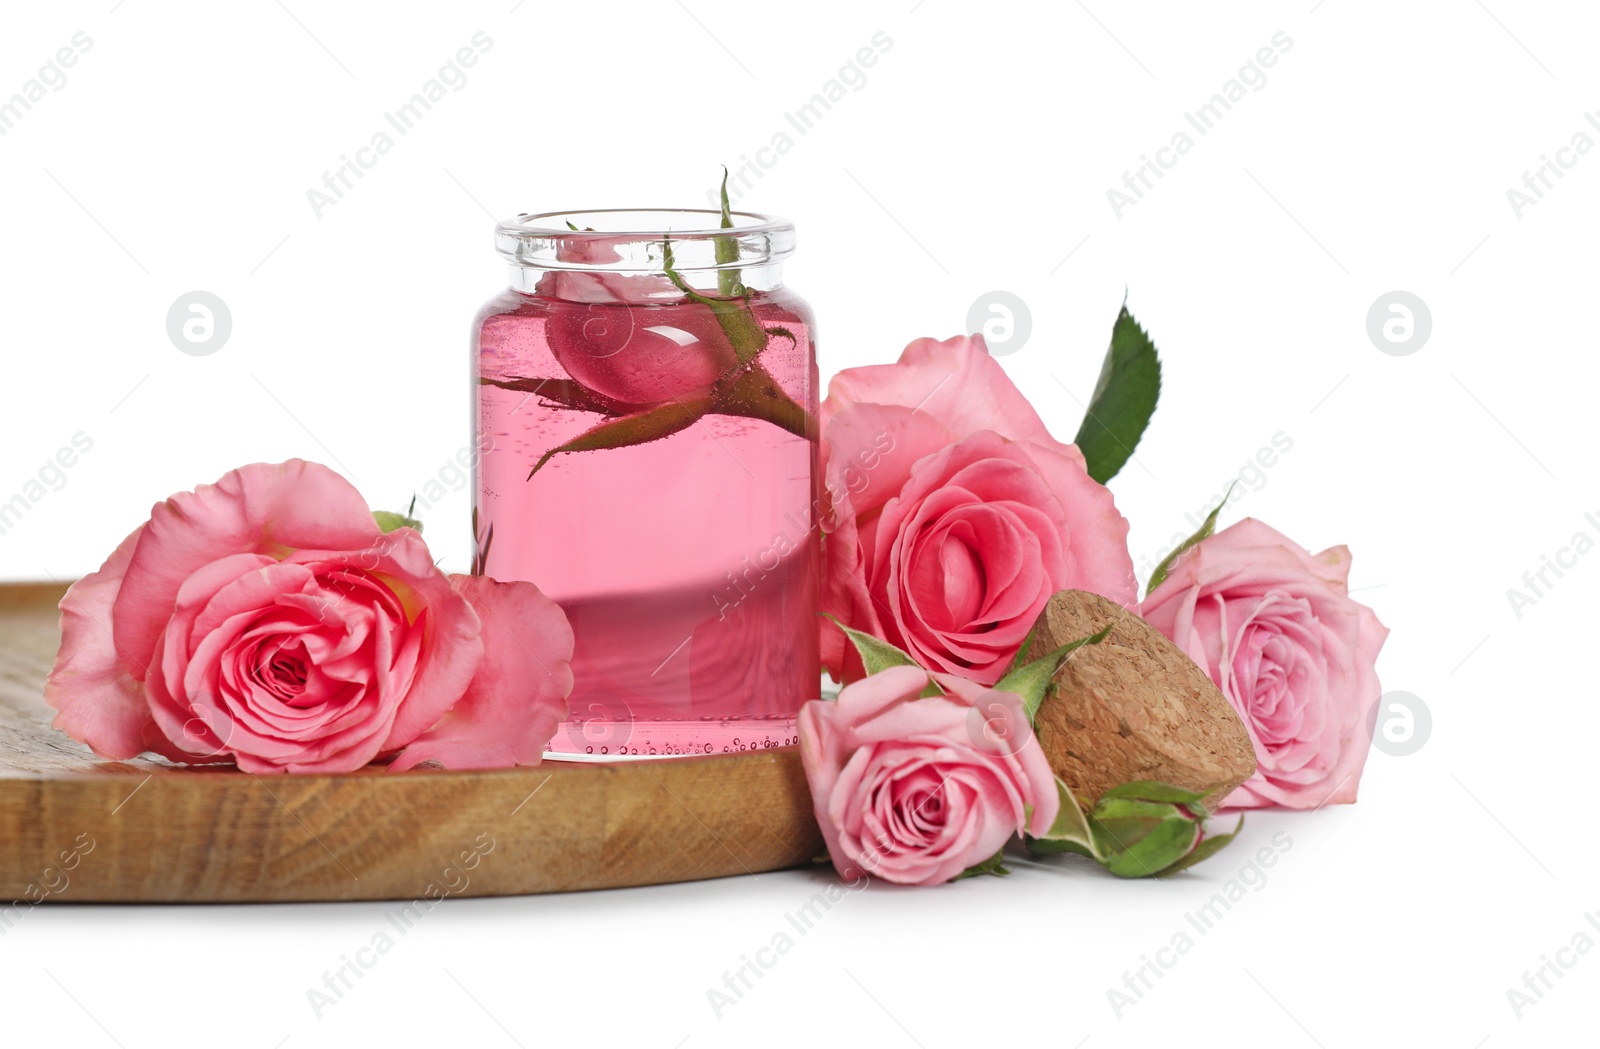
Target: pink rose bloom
952, 513
1278, 633
268, 621
917, 789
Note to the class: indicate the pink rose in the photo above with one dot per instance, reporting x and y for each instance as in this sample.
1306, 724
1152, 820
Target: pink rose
268, 621
1280, 636
952, 513
917, 789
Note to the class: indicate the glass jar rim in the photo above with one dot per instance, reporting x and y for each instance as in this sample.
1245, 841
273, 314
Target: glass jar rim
635, 239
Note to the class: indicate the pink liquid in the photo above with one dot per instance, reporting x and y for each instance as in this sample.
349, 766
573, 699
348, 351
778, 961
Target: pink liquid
688, 564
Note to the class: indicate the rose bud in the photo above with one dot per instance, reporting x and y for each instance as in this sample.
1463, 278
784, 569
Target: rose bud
1139, 836
1137, 830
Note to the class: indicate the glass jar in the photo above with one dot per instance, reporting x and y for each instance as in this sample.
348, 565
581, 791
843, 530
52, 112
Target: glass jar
646, 421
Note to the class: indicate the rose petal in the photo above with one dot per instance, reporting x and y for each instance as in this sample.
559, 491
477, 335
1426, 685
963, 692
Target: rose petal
451, 646
519, 694
954, 381
260, 508
97, 699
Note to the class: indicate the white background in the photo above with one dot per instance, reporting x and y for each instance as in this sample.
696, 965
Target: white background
977, 156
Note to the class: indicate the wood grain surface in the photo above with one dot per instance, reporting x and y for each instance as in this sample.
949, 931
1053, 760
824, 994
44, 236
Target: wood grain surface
75, 829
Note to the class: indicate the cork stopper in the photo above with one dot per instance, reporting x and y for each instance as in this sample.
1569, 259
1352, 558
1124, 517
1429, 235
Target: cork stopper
1134, 707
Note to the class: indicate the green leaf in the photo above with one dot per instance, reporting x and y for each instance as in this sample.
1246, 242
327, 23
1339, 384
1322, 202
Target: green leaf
664, 420
993, 865
1207, 528
1032, 680
1205, 850
876, 654
727, 248
1123, 401
388, 521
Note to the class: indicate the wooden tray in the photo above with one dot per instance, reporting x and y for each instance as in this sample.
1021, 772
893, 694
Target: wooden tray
73, 828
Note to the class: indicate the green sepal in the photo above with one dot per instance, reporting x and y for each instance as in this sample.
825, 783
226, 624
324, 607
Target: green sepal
1138, 839
568, 393
388, 521
876, 654
1154, 790
1070, 831
751, 391
1032, 680
993, 865
1124, 399
748, 391
1021, 657
1208, 846
733, 315
1207, 528
625, 431
1055, 847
